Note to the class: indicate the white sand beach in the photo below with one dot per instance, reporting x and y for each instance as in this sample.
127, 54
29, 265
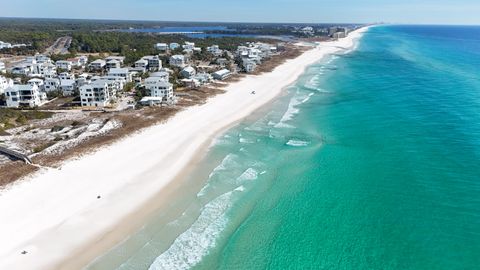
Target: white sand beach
55, 213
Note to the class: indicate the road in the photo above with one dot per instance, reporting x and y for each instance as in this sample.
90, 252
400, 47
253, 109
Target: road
60, 46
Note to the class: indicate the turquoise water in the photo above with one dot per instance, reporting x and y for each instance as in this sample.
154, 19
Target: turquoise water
371, 161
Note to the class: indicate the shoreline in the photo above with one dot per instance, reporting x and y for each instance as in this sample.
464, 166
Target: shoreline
62, 224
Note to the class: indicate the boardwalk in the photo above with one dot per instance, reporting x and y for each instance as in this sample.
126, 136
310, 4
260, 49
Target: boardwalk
15, 154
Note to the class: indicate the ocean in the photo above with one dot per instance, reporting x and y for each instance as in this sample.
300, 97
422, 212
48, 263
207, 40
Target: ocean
371, 160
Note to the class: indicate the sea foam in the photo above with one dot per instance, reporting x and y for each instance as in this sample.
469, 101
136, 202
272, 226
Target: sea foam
192, 245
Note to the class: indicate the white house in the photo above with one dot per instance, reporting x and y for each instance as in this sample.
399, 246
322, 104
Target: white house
24, 95
51, 84
38, 82
120, 59
215, 50
121, 72
22, 69
68, 87
249, 65
142, 63
43, 59
97, 94
178, 60
159, 88
188, 72
188, 46
5, 45
154, 62
163, 47
98, 64
174, 46
64, 64
161, 74
113, 64
4, 84
66, 76
221, 74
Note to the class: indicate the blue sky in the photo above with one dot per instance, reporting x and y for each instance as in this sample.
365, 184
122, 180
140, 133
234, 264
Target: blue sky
309, 11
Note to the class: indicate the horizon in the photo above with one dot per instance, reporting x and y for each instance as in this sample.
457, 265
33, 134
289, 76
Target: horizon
235, 22
428, 12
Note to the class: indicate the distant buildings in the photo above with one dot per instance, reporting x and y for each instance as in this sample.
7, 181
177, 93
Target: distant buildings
162, 47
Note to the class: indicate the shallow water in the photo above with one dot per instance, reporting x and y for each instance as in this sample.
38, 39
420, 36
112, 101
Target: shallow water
371, 161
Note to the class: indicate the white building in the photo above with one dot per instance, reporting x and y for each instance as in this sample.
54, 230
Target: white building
51, 84
66, 76
161, 74
249, 65
97, 94
159, 89
174, 46
142, 63
221, 74
113, 64
178, 61
215, 50
188, 72
21, 95
120, 59
163, 47
64, 64
68, 87
22, 69
5, 45
120, 72
38, 82
4, 84
98, 64
154, 62
188, 46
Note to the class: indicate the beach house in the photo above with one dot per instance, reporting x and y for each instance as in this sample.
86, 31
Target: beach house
24, 95
249, 65
141, 64
159, 90
68, 87
4, 84
162, 47
51, 84
120, 59
97, 94
120, 72
113, 63
97, 65
64, 65
221, 74
188, 72
215, 50
174, 46
154, 62
38, 82
178, 61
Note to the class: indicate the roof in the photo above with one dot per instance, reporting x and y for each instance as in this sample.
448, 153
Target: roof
189, 69
118, 70
222, 72
98, 61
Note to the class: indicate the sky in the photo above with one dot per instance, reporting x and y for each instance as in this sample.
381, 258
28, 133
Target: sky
301, 11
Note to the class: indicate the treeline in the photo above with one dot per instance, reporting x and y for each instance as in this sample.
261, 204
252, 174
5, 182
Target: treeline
136, 45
